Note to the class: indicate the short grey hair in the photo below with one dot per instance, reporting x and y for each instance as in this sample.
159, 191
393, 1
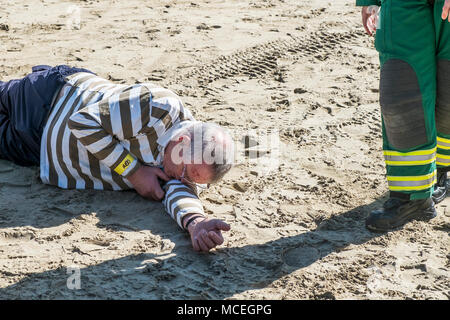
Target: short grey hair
215, 151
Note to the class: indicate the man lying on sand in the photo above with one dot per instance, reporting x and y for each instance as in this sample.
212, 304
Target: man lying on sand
88, 133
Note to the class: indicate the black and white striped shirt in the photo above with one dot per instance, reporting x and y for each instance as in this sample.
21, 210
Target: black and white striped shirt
99, 133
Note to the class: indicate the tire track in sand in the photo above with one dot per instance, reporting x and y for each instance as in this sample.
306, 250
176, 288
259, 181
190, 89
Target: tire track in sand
262, 59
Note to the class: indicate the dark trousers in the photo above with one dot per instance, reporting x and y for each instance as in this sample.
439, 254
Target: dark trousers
24, 107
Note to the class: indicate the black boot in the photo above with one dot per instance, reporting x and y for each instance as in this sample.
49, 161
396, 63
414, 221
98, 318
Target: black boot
441, 187
396, 213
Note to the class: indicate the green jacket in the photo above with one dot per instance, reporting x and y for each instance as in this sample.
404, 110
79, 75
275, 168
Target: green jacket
368, 2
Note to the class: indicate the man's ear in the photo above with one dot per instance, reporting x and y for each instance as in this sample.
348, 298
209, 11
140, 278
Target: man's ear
184, 148
185, 140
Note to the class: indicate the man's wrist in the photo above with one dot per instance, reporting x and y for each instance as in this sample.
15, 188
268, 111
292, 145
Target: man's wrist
194, 223
135, 175
191, 220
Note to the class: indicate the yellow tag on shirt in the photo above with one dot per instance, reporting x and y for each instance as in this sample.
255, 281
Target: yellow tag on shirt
124, 164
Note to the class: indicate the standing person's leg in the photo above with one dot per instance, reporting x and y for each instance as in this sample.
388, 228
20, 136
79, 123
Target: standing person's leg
442, 97
405, 42
24, 107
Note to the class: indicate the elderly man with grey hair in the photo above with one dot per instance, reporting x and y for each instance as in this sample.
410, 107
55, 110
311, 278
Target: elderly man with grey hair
88, 133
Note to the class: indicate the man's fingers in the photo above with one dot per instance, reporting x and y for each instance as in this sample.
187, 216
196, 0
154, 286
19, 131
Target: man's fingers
216, 237
153, 195
159, 193
195, 245
162, 174
206, 240
147, 194
202, 246
221, 225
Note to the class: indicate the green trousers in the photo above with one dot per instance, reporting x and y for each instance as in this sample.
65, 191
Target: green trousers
414, 47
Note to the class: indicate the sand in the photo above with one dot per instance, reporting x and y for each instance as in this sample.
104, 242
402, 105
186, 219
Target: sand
302, 69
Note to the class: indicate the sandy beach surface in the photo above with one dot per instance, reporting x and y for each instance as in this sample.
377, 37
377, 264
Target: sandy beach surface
302, 70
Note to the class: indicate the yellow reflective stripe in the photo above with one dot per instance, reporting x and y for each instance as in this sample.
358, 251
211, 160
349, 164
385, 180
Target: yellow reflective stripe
411, 182
413, 158
124, 164
410, 163
411, 178
440, 139
443, 160
412, 153
443, 143
443, 156
412, 188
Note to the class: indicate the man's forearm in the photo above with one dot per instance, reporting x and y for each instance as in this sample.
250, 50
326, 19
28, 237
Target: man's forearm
180, 201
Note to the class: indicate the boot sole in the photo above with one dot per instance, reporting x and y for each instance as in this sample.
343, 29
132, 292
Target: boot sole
424, 216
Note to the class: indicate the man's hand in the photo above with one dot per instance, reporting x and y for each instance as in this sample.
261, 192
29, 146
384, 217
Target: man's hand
446, 10
206, 233
145, 182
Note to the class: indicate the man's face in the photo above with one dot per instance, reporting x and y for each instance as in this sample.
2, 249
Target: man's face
176, 167
198, 173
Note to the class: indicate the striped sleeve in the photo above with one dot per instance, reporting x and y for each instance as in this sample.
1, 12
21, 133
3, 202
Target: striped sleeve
181, 200
102, 125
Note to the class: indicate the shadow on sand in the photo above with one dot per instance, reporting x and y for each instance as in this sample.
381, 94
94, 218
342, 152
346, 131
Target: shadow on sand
183, 273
